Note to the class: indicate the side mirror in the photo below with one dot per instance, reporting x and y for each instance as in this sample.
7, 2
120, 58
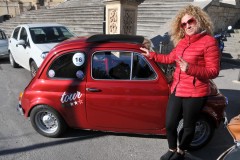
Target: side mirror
21, 42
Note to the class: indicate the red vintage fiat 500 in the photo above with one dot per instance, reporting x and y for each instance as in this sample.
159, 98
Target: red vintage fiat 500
103, 83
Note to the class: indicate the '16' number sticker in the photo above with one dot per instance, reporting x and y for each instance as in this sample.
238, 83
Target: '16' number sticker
78, 59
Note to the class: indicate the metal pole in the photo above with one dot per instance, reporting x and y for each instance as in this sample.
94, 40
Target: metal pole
160, 47
238, 76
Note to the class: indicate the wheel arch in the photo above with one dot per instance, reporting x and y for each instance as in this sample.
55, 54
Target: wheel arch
49, 104
54, 125
30, 61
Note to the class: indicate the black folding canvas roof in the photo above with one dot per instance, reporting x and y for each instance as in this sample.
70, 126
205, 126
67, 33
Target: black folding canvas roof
100, 38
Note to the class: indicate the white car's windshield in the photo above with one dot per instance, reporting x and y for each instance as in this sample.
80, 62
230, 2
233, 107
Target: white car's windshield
49, 34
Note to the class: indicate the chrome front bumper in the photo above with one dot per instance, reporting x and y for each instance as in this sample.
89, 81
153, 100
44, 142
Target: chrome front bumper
20, 110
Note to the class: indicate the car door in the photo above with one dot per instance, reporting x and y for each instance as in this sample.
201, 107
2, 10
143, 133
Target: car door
23, 50
124, 91
3, 43
13, 44
64, 85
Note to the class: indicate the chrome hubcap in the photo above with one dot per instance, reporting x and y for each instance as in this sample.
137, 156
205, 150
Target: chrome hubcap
46, 121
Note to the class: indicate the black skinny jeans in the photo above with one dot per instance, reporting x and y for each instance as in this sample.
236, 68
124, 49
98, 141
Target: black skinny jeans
188, 109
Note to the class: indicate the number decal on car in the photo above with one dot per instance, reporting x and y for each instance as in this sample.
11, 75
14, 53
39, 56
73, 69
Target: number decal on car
78, 59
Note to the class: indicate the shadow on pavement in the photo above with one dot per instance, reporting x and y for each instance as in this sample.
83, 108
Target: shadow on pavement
4, 61
73, 136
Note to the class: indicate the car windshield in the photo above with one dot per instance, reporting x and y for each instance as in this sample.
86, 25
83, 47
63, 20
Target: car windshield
49, 34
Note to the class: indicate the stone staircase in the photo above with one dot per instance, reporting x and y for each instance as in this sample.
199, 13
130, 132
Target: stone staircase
232, 45
153, 14
80, 20
85, 17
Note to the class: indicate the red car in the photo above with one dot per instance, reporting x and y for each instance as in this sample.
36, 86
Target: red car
103, 83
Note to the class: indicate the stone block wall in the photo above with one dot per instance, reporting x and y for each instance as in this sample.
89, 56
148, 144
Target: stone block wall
15, 7
223, 14
11, 8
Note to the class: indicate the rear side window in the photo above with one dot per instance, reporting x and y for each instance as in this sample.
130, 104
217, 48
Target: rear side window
23, 34
2, 35
121, 66
15, 33
70, 65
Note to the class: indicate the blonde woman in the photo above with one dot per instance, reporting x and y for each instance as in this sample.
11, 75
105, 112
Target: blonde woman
196, 55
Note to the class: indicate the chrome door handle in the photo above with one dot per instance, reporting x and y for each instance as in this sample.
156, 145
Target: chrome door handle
93, 90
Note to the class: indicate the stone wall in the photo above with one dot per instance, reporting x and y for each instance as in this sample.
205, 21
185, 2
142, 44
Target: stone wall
223, 14
15, 7
11, 8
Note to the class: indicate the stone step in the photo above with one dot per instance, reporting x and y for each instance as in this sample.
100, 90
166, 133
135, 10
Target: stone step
167, 13
63, 13
86, 16
150, 23
151, 1
67, 11
144, 18
67, 19
163, 5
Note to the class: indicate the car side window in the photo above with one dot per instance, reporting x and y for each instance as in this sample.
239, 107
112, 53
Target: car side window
65, 32
121, 65
2, 35
141, 69
111, 65
15, 33
70, 65
23, 34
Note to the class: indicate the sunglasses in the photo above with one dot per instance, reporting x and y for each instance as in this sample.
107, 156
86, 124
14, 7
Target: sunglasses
189, 22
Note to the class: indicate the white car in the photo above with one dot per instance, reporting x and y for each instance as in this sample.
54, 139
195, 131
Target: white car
3, 45
30, 43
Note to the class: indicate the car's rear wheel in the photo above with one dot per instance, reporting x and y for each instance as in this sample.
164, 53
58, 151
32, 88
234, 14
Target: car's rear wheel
33, 68
12, 61
47, 121
203, 132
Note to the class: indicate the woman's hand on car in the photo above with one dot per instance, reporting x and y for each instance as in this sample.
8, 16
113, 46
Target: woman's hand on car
145, 52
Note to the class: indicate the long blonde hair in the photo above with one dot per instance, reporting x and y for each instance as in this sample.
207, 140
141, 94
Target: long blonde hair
203, 21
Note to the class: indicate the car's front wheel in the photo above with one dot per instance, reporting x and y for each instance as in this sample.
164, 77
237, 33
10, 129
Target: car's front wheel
33, 68
203, 132
12, 61
47, 121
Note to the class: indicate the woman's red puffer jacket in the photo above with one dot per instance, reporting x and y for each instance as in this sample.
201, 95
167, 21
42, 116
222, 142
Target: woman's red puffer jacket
202, 54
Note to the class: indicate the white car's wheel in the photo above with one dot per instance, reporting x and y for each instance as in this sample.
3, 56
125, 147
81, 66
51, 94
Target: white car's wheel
47, 121
12, 61
33, 68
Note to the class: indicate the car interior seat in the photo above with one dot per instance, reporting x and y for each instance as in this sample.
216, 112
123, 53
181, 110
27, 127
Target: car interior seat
40, 38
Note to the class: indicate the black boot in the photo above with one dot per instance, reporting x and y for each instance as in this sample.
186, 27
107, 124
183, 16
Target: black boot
167, 155
178, 156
